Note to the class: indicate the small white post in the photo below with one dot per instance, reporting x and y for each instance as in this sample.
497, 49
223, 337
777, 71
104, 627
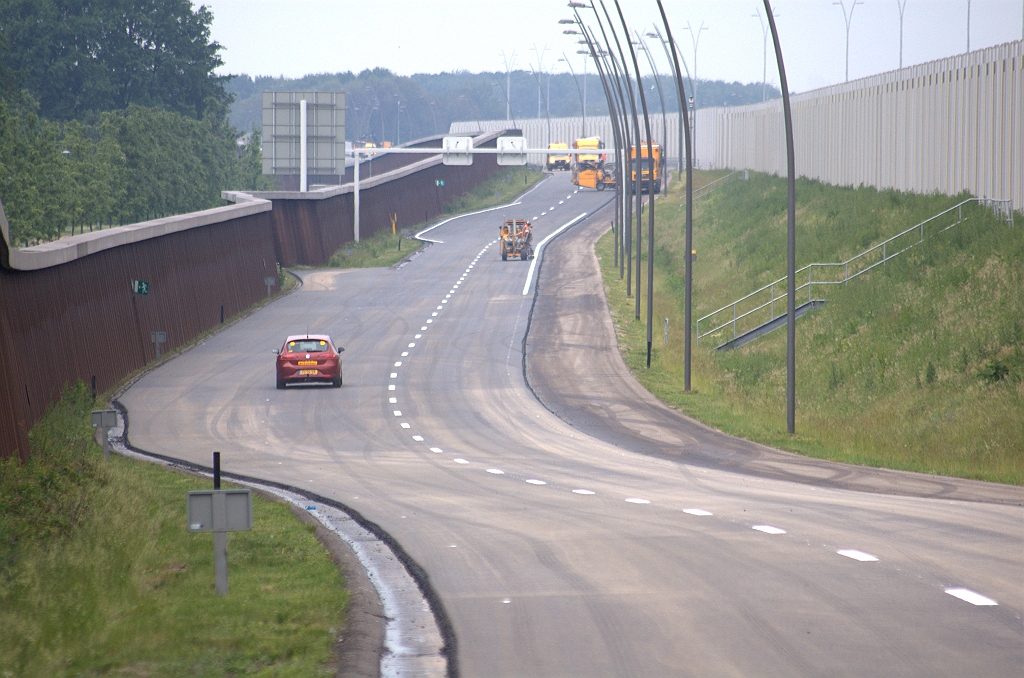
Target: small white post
355, 196
302, 146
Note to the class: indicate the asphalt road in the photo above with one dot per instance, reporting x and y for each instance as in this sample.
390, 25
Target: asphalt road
634, 544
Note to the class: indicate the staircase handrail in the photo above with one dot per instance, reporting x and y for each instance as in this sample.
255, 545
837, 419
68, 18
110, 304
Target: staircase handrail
1001, 207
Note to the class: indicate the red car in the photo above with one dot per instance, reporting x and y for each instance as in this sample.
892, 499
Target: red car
309, 359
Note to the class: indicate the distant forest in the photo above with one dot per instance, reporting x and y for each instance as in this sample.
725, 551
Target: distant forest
385, 106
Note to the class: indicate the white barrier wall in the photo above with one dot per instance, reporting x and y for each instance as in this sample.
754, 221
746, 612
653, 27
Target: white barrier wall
949, 125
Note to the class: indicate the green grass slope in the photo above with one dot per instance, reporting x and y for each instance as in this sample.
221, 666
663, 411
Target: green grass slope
98, 575
916, 366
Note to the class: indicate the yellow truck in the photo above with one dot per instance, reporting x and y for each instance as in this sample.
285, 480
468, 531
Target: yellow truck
555, 161
650, 172
588, 169
516, 237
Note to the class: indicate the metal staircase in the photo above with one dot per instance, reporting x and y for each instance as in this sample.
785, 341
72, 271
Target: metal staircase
764, 310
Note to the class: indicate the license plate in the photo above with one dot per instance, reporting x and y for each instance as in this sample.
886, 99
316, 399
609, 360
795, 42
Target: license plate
306, 373
307, 362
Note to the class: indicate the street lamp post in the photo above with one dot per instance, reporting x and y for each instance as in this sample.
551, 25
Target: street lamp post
622, 90
650, 194
688, 306
509, 63
848, 18
902, 4
637, 202
673, 60
764, 51
583, 101
661, 96
695, 39
614, 117
790, 232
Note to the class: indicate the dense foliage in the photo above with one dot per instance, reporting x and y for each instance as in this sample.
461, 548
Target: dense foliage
82, 58
140, 163
110, 114
429, 103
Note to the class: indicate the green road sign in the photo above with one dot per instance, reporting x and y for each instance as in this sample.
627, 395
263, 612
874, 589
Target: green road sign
140, 287
439, 182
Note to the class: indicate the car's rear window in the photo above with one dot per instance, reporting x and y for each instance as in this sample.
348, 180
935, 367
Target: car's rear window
306, 346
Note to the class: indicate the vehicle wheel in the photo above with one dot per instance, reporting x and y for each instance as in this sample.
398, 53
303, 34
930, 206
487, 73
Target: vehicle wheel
280, 384
337, 382
504, 256
600, 186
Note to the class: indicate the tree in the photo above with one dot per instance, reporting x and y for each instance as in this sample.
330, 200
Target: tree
82, 57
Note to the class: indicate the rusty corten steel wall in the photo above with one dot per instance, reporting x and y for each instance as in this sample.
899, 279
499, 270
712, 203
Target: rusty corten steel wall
80, 319
308, 232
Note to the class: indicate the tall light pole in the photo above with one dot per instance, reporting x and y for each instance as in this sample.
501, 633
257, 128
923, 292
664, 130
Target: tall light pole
902, 4
650, 193
673, 59
540, 67
849, 19
509, 63
968, 25
764, 51
537, 78
625, 93
583, 102
684, 123
661, 96
597, 53
787, 114
638, 205
695, 38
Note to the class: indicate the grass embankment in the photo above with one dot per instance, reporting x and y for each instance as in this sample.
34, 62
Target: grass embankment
917, 366
382, 249
99, 576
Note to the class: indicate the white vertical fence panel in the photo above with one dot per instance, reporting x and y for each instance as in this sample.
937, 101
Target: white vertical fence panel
950, 125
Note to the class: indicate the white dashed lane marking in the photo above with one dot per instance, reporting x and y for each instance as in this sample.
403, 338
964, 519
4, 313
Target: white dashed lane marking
496, 471
534, 481
406, 425
460, 461
394, 375
637, 500
697, 512
971, 597
768, 529
393, 400
436, 450
858, 555
391, 387
398, 413
582, 492
398, 364
418, 439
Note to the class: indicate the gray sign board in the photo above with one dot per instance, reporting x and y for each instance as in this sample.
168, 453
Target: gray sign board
219, 511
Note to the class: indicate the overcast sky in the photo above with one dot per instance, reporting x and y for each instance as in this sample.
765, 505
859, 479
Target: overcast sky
298, 37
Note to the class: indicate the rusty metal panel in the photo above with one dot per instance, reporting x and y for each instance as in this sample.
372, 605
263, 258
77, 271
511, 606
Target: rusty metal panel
81, 320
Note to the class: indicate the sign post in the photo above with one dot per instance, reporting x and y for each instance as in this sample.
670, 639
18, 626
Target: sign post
219, 511
105, 420
269, 282
158, 338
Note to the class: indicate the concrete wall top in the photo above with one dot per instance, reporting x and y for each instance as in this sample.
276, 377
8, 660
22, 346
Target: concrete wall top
75, 247
331, 191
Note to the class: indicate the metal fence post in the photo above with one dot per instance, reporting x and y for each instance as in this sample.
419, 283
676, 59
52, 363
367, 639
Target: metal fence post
734, 321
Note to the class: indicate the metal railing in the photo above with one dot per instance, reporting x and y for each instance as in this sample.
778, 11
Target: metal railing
759, 307
713, 186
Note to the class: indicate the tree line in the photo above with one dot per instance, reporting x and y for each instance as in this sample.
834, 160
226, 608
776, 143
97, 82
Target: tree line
384, 106
110, 113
